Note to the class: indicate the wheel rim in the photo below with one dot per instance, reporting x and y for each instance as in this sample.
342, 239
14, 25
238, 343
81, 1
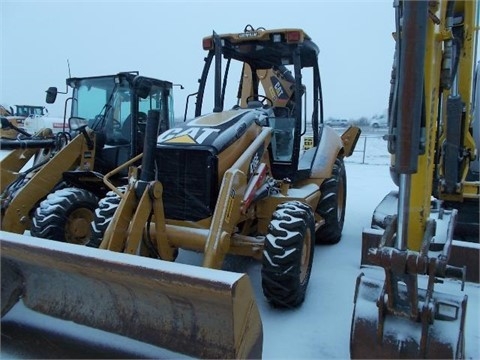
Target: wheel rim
77, 228
305, 260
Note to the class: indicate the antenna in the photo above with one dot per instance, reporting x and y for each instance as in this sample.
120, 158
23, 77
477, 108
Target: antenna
69, 73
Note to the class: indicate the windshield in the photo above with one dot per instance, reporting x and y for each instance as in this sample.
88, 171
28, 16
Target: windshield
273, 87
103, 97
106, 103
155, 100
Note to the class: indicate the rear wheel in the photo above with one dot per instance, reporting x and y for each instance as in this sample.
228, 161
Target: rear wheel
65, 215
331, 205
288, 254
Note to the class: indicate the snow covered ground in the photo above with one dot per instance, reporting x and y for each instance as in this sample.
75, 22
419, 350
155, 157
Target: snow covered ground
320, 328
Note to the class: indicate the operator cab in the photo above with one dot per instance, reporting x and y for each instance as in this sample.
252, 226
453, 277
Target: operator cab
116, 108
271, 65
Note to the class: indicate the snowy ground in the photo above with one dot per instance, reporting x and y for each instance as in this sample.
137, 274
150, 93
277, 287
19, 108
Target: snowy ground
320, 328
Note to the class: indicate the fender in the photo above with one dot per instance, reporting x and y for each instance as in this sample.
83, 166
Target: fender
326, 153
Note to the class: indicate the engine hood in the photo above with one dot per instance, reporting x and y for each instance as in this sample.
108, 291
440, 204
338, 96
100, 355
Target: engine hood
214, 130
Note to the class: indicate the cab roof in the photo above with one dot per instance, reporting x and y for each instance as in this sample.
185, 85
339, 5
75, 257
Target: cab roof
129, 75
263, 49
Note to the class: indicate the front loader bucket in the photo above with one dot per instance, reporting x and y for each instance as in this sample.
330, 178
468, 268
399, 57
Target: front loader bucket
191, 310
390, 336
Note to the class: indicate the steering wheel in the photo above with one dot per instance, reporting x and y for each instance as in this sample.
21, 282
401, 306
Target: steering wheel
115, 124
262, 98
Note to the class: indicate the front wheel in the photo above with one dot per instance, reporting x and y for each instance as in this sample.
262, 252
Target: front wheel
65, 215
103, 215
331, 205
288, 254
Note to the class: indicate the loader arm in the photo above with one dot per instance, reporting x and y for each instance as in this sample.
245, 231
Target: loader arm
75, 153
12, 164
21, 152
229, 203
142, 200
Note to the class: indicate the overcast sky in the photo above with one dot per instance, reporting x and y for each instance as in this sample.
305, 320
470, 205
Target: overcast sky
162, 39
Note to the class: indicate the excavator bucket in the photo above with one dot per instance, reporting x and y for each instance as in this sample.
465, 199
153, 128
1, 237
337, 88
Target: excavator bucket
378, 335
195, 311
400, 315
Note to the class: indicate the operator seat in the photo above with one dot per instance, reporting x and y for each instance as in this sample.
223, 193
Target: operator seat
283, 134
127, 124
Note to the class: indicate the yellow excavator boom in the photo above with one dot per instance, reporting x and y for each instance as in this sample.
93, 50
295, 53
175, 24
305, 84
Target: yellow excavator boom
402, 315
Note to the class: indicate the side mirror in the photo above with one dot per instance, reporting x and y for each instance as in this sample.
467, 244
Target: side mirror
143, 87
51, 95
77, 123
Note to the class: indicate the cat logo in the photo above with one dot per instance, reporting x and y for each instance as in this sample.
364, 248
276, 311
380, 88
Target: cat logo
184, 139
277, 91
273, 94
248, 34
194, 135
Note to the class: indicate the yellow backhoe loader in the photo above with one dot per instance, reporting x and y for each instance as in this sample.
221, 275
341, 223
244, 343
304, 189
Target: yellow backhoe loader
234, 181
416, 235
55, 197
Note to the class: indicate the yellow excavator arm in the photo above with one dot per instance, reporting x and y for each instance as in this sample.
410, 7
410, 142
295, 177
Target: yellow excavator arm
431, 142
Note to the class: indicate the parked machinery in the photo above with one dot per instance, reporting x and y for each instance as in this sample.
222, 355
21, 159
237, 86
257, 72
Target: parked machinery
431, 139
233, 181
54, 197
14, 123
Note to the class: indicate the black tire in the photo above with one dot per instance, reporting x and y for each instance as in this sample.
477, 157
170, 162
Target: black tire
65, 215
288, 254
331, 205
103, 215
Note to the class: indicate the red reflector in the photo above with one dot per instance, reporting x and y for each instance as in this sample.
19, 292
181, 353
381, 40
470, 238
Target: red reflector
293, 36
207, 43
